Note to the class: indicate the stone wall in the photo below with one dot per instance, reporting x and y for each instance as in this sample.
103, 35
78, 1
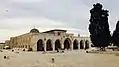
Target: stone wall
30, 40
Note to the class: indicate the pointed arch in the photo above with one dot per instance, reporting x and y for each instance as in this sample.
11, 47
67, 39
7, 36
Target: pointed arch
57, 44
81, 44
40, 45
49, 45
86, 44
67, 43
75, 44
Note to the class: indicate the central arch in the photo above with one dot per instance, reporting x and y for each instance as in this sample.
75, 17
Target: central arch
40, 45
57, 44
81, 44
49, 45
67, 43
75, 44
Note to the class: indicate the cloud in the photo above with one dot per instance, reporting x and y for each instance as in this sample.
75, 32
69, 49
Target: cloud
27, 1
108, 5
20, 16
21, 23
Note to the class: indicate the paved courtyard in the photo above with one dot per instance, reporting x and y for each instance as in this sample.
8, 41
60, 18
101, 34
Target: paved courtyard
67, 59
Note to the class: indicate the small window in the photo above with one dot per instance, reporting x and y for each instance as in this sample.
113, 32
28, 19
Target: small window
59, 33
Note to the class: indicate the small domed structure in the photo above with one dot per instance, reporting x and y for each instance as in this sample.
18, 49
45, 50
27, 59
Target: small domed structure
34, 30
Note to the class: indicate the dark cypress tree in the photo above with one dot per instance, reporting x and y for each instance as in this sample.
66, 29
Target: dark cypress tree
115, 36
99, 27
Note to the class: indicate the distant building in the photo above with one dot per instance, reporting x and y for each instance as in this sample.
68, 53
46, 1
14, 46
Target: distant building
2, 45
7, 42
49, 41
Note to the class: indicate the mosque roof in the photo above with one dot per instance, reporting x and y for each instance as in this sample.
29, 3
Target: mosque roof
34, 30
55, 30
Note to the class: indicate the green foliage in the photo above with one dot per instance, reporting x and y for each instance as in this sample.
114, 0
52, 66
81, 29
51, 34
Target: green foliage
99, 27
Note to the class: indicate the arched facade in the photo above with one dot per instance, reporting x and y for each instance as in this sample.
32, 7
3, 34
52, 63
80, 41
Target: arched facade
49, 41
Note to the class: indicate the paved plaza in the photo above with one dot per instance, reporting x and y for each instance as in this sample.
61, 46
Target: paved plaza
67, 59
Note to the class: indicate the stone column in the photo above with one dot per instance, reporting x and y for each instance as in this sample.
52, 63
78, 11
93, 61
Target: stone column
62, 46
71, 46
79, 45
84, 45
45, 46
53, 46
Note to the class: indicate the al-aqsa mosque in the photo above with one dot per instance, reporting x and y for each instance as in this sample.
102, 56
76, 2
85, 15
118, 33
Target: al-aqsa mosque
49, 40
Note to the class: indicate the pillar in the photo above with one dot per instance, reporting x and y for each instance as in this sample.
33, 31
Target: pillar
45, 46
71, 46
78, 45
62, 46
53, 46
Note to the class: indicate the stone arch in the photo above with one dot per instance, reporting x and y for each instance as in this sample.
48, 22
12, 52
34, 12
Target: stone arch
25, 46
81, 44
40, 45
57, 44
75, 44
49, 45
86, 44
67, 43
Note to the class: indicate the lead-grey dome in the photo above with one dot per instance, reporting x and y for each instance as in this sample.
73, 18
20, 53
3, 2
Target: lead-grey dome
34, 30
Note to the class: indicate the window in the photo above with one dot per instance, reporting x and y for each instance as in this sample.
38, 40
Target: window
59, 33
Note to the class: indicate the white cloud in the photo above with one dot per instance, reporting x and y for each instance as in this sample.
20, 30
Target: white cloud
27, 1
19, 16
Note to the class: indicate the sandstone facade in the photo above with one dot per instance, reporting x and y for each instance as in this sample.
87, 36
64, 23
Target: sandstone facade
49, 41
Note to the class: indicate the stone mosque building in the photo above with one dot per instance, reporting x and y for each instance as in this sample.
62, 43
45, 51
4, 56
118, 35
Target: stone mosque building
49, 41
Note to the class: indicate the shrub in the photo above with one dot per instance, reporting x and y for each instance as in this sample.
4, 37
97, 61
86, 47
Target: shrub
30, 49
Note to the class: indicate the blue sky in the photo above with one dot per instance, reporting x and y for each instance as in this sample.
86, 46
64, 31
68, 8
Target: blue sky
20, 16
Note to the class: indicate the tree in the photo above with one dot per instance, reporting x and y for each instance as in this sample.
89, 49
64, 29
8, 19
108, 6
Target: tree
99, 27
115, 36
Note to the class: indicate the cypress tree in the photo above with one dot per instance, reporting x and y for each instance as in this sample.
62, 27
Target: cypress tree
99, 27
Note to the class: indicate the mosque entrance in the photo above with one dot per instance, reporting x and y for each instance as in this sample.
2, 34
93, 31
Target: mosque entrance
57, 44
86, 44
67, 43
49, 45
75, 44
81, 44
40, 45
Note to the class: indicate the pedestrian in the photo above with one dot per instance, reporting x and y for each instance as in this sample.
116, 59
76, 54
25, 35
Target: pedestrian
53, 60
